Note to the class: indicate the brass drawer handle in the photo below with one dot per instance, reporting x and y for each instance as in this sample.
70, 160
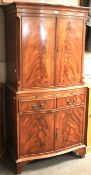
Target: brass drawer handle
41, 106
70, 101
34, 107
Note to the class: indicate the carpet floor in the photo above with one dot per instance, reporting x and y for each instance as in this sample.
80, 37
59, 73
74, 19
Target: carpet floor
67, 164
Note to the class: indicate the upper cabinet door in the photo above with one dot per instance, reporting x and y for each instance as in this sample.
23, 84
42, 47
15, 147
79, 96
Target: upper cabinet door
38, 42
69, 49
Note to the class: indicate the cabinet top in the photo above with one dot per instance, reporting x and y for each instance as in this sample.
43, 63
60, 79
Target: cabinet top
28, 5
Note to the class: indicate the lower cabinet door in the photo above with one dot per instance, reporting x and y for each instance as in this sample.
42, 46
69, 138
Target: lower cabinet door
36, 133
69, 127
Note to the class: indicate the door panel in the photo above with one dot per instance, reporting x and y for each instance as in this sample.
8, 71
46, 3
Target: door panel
38, 42
69, 51
69, 127
36, 133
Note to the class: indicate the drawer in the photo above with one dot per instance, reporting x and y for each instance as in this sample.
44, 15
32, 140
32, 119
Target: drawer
70, 100
36, 105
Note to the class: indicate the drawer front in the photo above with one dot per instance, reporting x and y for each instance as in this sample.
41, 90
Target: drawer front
70, 100
36, 105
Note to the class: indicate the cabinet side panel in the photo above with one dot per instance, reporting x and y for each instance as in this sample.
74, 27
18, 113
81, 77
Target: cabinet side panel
38, 42
11, 122
70, 33
10, 36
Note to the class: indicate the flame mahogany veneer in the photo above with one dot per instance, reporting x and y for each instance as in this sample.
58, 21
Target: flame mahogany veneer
46, 101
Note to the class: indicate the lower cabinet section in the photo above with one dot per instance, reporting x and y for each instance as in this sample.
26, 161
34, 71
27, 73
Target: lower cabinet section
37, 131
46, 124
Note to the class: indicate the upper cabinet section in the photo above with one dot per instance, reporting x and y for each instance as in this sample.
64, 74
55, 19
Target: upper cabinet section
47, 44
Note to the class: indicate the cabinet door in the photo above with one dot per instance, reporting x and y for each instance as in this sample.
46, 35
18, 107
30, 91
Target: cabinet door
69, 129
36, 133
38, 42
70, 33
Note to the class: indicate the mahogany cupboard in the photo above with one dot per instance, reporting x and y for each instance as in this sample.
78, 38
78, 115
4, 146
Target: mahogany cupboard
1, 123
46, 100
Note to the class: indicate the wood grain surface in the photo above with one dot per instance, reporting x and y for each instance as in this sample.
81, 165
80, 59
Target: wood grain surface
38, 41
36, 133
69, 125
69, 45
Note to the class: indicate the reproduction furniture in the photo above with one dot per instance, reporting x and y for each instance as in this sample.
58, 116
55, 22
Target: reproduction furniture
46, 100
1, 123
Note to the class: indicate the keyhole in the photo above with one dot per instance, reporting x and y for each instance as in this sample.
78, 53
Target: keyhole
57, 50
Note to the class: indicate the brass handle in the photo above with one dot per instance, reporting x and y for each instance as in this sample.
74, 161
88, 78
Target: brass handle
34, 107
41, 106
70, 101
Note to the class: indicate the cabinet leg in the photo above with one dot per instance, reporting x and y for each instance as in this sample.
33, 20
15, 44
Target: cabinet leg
81, 152
20, 166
